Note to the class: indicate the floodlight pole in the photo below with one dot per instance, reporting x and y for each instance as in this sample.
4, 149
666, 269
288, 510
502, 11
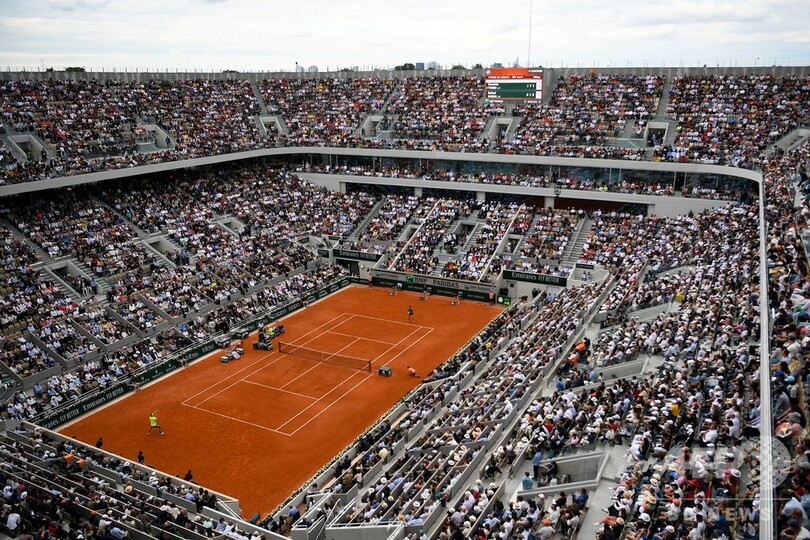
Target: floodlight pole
529, 56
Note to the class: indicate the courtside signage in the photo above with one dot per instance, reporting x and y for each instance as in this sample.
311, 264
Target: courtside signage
443, 286
82, 406
356, 255
531, 277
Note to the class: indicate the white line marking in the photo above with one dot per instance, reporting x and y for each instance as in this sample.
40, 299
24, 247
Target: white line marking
235, 373
351, 316
317, 365
350, 389
249, 366
363, 338
279, 389
240, 420
348, 378
415, 327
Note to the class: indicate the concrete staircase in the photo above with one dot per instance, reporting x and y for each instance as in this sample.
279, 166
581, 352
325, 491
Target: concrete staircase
40, 253
513, 126
258, 93
443, 260
363, 225
661, 111
64, 287
792, 140
472, 238
11, 146
103, 286
578, 238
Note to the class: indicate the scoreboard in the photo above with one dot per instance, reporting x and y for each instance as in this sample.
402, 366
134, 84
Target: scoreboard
524, 84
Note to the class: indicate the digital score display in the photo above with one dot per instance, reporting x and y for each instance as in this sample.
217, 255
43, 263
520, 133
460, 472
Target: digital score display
525, 84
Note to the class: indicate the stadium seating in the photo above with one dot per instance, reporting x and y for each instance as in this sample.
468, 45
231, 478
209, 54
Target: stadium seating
235, 249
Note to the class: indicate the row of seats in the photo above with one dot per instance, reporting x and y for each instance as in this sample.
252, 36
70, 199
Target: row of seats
92, 125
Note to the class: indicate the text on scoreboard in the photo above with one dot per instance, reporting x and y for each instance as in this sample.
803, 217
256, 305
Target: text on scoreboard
514, 83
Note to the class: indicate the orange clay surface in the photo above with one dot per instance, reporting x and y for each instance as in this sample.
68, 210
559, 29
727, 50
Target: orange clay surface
257, 428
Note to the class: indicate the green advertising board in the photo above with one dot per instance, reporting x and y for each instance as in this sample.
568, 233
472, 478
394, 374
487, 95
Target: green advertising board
435, 285
531, 277
356, 255
59, 416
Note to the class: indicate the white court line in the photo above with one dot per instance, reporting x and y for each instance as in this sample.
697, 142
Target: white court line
244, 379
248, 367
278, 431
363, 338
333, 319
234, 374
279, 389
241, 421
356, 385
318, 364
390, 321
348, 378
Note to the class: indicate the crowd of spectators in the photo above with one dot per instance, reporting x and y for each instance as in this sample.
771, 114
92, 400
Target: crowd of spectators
479, 258
731, 119
704, 397
324, 111
583, 113
548, 235
90, 125
390, 220
53, 488
448, 110
74, 224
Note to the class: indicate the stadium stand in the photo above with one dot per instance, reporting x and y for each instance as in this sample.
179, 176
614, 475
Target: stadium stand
165, 262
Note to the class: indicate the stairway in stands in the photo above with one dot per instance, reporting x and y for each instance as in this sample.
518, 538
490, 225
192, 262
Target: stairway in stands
459, 254
578, 238
363, 225
663, 103
255, 85
103, 286
5, 139
530, 233
40, 253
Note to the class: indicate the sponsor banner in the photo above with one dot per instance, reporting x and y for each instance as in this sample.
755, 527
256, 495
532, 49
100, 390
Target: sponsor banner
356, 255
531, 277
60, 416
323, 252
585, 266
159, 370
434, 285
201, 349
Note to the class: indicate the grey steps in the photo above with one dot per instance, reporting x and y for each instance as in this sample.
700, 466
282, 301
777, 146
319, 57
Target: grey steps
363, 225
103, 286
40, 253
12, 147
663, 103
580, 236
258, 93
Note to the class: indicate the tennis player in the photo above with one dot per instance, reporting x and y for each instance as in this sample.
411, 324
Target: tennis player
410, 313
153, 423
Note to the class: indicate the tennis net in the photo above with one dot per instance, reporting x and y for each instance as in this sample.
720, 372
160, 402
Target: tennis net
325, 357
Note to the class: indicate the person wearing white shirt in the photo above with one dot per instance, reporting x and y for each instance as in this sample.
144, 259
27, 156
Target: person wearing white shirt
13, 520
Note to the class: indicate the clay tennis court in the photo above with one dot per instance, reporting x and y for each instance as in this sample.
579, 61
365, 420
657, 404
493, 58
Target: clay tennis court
259, 427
